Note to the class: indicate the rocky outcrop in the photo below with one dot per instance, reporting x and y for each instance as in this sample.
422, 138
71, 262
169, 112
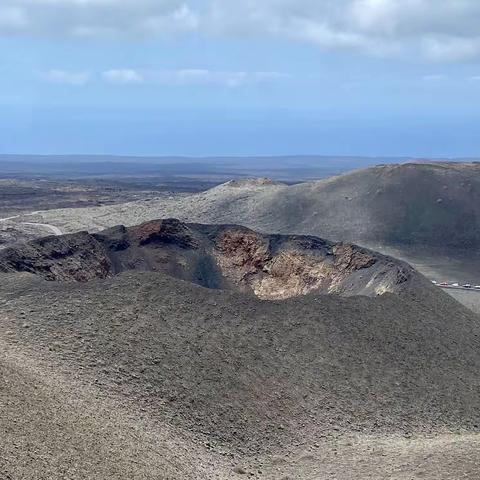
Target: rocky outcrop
79, 257
280, 267
272, 267
164, 232
253, 182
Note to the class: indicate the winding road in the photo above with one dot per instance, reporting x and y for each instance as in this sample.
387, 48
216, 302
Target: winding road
55, 230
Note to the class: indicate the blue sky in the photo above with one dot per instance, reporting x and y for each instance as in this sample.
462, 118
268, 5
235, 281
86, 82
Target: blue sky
206, 77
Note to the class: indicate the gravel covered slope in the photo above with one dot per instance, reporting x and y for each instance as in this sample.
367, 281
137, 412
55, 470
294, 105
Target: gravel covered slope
432, 204
427, 214
254, 376
53, 426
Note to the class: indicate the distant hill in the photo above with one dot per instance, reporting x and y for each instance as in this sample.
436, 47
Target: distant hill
291, 168
426, 204
423, 204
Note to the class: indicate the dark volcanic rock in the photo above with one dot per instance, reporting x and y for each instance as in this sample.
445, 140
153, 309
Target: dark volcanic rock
227, 257
164, 232
77, 257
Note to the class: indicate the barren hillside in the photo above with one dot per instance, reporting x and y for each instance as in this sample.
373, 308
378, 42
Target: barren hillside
427, 214
308, 387
434, 204
214, 256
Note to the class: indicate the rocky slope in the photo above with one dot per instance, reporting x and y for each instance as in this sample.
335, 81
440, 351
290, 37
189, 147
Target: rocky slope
143, 373
115, 358
226, 257
427, 214
428, 204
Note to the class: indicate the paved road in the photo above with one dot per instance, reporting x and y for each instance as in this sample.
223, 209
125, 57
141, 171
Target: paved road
450, 287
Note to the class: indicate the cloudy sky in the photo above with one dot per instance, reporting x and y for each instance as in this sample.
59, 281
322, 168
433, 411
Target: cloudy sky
212, 77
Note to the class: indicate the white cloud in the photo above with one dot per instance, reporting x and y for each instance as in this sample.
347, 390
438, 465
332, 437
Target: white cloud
67, 78
434, 77
182, 77
452, 48
123, 77
181, 19
100, 18
216, 78
436, 30
12, 18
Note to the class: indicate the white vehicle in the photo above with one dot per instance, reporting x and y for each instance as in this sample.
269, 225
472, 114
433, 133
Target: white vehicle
455, 285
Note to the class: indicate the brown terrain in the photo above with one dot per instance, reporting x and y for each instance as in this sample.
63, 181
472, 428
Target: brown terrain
433, 205
226, 257
426, 213
172, 350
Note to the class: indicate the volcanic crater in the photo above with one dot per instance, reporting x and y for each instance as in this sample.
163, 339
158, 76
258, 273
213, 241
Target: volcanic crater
227, 257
